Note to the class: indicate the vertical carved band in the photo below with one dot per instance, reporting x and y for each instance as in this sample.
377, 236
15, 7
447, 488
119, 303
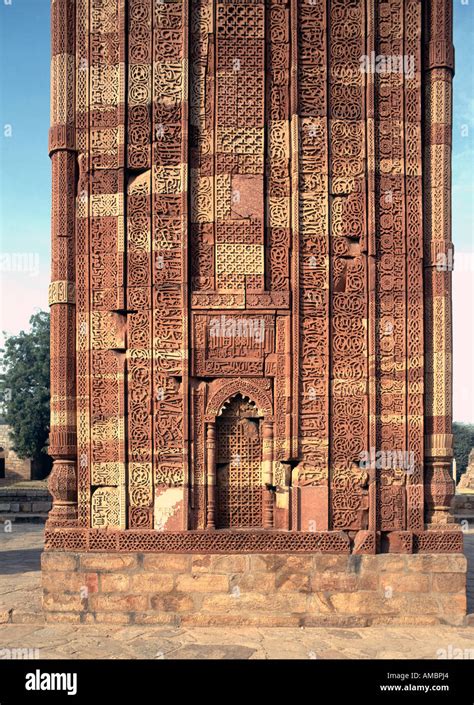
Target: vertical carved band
414, 266
390, 268
82, 261
103, 204
438, 72
267, 474
211, 475
169, 261
62, 441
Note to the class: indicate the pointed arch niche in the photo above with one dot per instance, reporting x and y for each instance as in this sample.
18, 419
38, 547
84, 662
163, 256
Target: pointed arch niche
239, 451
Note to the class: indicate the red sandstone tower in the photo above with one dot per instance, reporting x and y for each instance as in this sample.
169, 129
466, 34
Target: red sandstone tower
251, 329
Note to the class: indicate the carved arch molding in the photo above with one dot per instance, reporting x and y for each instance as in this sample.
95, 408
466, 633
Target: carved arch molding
259, 392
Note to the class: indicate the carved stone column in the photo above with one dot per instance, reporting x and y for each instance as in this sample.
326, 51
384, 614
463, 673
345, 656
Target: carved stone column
438, 70
267, 474
62, 440
211, 476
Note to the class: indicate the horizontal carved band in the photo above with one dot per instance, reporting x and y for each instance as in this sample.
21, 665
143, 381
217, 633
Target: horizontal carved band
439, 444
63, 451
232, 542
198, 541
61, 137
440, 55
62, 444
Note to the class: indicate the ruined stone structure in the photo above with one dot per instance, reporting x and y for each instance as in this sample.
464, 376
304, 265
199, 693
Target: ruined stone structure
12, 467
251, 329
467, 478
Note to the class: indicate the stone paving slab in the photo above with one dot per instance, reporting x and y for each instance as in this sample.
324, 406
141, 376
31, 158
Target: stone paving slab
20, 604
20, 571
92, 642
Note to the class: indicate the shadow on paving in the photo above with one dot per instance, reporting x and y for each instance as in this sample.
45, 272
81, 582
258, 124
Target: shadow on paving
23, 560
469, 552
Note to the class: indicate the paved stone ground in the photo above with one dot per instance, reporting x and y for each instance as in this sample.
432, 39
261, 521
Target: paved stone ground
20, 603
93, 642
20, 569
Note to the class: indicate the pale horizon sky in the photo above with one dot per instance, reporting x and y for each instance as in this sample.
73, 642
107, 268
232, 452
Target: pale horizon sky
25, 180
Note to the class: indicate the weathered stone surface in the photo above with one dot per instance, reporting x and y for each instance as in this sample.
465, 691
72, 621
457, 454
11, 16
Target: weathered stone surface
253, 582
169, 563
286, 581
333, 620
200, 563
151, 582
261, 589
337, 581
229, 564
115, 582
386, 562
156, 618
437, 563
59, 561
107, 561
214, 651
240, 620
38, 507
172, 602
113, 603
398, 582
5, 616
64, 581
112, 618
290, 562
66, 617
449, 582
63, 602
337, 563
203, 583
158, 638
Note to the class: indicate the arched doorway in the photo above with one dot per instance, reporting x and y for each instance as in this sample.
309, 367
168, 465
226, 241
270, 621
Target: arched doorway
239, 476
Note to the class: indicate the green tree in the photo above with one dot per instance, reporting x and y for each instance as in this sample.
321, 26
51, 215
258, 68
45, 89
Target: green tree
463, 443
3, 393
26, 392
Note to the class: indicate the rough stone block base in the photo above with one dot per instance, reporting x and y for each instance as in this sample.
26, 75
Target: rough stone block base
254, 589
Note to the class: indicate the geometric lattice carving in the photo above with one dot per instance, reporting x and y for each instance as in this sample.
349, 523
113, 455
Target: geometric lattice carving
239, 259
239, 466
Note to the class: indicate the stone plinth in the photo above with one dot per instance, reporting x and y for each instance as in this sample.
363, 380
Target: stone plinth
254, 589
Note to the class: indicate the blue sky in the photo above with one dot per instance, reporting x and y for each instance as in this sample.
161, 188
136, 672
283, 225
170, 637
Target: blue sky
25, 177
463, 212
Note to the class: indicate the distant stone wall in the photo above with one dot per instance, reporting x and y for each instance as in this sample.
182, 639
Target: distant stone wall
463, 507
15, 468
254, 589
32, 504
